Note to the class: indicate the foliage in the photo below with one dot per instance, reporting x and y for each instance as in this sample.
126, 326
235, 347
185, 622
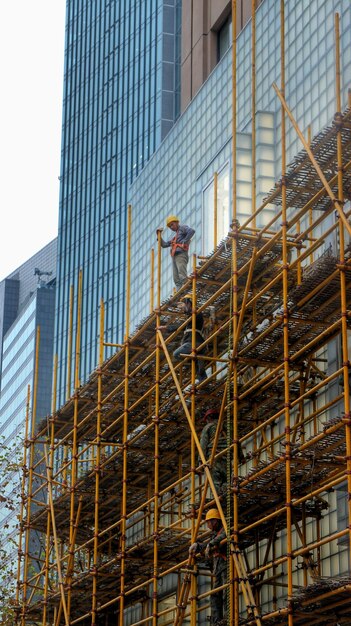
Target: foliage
10, 502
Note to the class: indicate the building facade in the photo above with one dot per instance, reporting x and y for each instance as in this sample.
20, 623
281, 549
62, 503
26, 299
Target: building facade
121, 97
206, 36
27, 305
179, 178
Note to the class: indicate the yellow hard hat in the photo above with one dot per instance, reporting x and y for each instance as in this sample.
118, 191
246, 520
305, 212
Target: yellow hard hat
171, 218
188, 296
212, 514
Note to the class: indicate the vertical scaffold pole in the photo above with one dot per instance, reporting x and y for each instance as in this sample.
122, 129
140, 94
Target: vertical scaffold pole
152, 281
215, 209
74, 459
69, 344
234, 582
310, 210
30, 475
253, 107
97, 468
192, 442
23, 495
125, 427
51, 432
342, 269
54, 532
157, 433
285, 277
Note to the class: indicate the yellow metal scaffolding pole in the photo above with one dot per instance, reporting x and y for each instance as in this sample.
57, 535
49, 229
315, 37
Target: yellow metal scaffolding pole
192, 416
156, 440
239, 565
184, 591
234, 580
125, 427
97, 469
30, 478
69, 344
51, 432
285, 285
23, 493
343, 289
74, 453
253, 110
152, 281
338, 207
53, 523
215, 209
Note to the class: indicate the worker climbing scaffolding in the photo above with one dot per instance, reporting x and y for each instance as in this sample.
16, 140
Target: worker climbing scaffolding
186, 345
207, 438
214, 550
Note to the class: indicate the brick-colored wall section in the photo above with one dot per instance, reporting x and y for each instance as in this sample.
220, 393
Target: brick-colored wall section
201, 20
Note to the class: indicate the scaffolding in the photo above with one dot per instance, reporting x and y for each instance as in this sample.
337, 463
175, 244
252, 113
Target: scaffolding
118, 484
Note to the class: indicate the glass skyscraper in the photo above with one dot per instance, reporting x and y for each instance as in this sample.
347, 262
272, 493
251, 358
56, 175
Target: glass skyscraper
27, 303
121, 97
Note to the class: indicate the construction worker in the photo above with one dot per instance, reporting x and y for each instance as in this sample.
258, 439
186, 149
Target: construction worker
179, 245
207, 437
186, 345
216, 554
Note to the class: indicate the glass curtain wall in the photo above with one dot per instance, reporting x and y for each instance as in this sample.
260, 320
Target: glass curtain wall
121, 77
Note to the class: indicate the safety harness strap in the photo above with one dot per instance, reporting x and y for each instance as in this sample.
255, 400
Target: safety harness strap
175, 245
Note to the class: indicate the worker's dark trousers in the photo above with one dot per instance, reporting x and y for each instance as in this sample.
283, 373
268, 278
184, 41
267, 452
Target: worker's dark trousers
186, 348
219, 599
219, 475
180, 263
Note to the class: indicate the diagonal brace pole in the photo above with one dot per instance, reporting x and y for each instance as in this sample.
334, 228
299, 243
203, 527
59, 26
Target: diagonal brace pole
193, 431
53, 523
337, 204
243, 304
238, 561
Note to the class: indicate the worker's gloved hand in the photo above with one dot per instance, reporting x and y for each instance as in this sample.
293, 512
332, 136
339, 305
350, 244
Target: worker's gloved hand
208, 551
193, 548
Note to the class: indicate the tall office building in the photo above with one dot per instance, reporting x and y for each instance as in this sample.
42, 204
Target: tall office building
121, 97
27, 307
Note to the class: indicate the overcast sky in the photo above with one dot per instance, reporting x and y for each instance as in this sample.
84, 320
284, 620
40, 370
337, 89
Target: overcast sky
32, 36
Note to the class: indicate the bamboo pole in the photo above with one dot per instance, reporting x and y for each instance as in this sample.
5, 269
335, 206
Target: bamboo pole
70, 560
53, 523
69, 345
234, 582
125, 426
74, 457
253, 110
245, 585
78, 333
285, 285
192, 416
338, 207
97, 469
30, 476
184, 591
156, 440
48, 522
23, 495
152, 281
215, 209
343, 289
